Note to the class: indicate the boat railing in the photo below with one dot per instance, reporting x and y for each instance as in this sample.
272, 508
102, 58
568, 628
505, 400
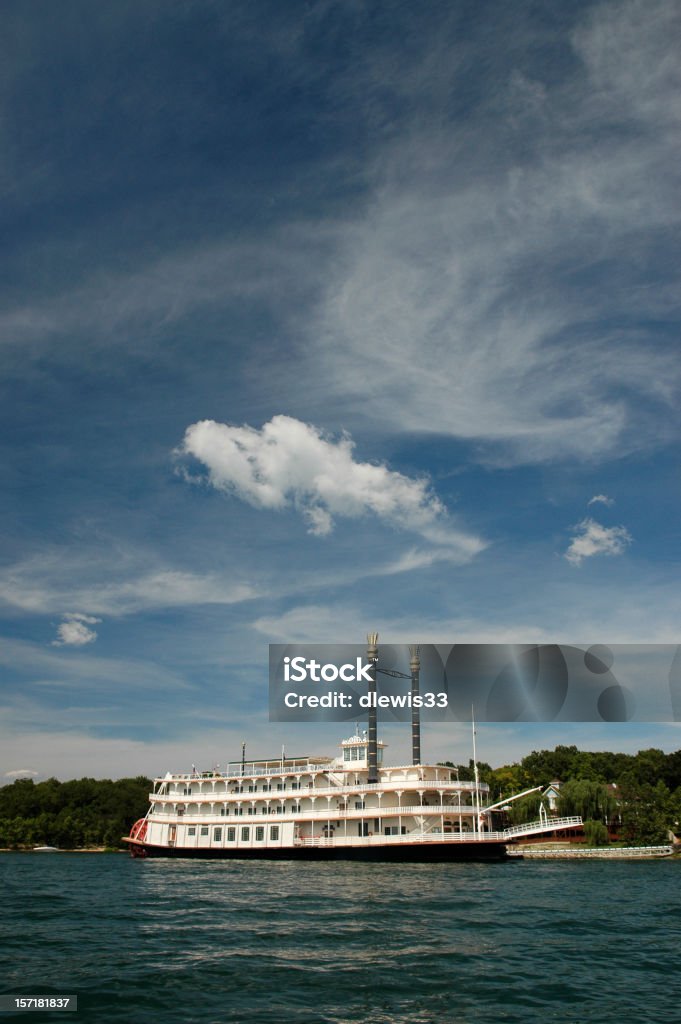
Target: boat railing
334, 813
434, 836
533, 827
311, 769
379, 839
388, 785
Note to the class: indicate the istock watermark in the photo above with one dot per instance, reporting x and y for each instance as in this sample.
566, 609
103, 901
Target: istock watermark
298, 670
496, 682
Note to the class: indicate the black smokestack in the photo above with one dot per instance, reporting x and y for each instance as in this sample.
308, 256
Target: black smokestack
415, 665
372, 753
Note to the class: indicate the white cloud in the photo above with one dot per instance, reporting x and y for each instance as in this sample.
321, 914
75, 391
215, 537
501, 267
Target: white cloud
111, 585
121, 305
49, 668
476, 295
341, 623
74, 631
591, 538
21, 773
630, 52
601, 499
290, 464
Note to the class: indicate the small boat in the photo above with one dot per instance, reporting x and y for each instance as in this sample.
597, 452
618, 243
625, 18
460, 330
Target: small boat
45, 849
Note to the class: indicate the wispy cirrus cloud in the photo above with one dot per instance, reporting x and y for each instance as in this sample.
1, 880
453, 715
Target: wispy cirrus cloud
291, 464
110, 586
591, 538
75, 670
601, 499
494, 288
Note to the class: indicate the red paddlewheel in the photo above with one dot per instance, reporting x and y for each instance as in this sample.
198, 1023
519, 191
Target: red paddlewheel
139, 830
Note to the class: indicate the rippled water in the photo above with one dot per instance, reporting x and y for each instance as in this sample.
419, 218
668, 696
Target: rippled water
247, 942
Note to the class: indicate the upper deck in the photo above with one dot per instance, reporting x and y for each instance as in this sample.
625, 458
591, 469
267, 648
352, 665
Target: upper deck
314, 775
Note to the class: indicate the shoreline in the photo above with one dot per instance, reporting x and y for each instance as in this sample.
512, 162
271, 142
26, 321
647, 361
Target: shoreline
597, 853
75, 849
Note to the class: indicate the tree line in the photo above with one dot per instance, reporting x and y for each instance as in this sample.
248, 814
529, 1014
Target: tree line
78, 813
636, 797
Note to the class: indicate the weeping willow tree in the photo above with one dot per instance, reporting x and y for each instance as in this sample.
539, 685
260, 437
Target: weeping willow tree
596, 833
526, 809
590, 800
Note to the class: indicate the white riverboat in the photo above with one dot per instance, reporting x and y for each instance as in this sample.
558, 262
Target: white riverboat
350, 807
322, 807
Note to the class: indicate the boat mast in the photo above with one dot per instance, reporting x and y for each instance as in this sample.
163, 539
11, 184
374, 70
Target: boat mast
475, 774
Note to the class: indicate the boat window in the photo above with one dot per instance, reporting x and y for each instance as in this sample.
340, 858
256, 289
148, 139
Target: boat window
191, 831
260, 833
217, 835
204, 830
274, 832
231, 835
346, 753
245, 834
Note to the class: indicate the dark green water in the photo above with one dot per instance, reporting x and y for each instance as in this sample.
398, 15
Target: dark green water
174, 941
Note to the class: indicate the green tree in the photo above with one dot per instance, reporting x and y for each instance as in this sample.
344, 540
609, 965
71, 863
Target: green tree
507, 780
589, 799
647, 813
596, 833
524, 810
82, 812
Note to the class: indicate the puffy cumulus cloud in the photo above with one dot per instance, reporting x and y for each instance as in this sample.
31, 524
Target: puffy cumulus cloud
601, 499
290, 464
591, 538
74, 631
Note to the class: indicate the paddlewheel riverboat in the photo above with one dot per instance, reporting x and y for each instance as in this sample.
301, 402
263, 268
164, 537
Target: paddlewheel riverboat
350, 807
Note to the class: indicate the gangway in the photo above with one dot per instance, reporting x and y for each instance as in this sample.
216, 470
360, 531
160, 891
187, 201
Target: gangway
535, 828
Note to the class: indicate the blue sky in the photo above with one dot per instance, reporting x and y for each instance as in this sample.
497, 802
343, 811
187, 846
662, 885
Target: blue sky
319, 318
